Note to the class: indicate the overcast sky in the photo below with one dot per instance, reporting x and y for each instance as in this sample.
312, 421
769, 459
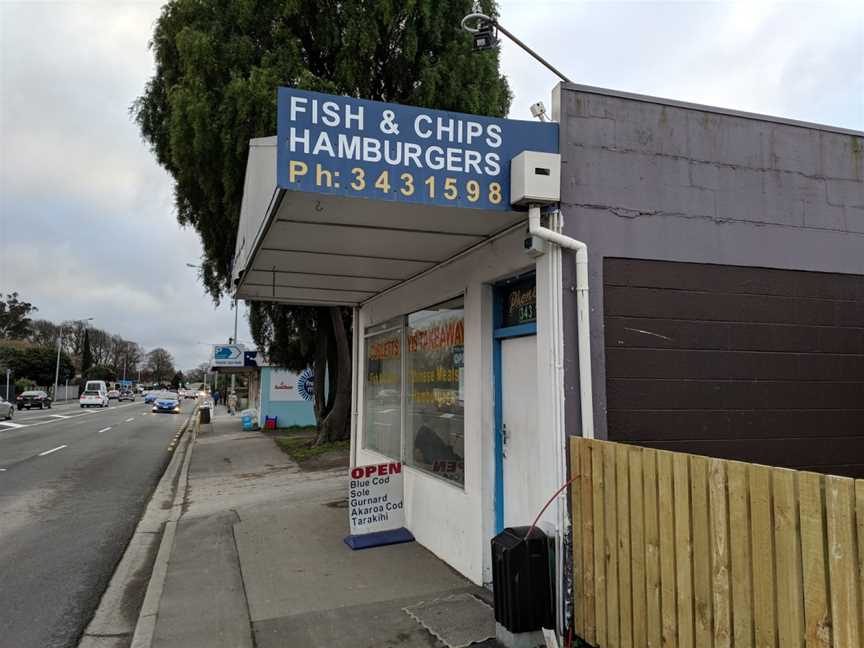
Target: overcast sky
87, 225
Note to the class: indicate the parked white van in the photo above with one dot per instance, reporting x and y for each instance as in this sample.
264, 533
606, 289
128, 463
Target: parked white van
96, 385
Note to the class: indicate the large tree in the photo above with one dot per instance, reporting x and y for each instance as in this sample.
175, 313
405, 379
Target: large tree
73, 336
86, 355
198, 373
34, 362
160, 363
15, 317
218, 64
43, 333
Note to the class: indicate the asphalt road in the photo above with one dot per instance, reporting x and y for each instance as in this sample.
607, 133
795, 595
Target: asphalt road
73, 484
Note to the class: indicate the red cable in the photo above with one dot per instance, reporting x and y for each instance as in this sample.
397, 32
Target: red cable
546, 505
536, 519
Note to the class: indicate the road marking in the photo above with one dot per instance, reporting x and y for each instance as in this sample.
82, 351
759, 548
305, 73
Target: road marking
104, 430
129, 420
58, 416
47, 452
12, 425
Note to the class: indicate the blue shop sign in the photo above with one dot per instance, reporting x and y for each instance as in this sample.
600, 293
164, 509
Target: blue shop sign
353, 147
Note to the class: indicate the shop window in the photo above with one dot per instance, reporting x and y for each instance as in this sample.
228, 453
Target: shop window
383, 393
435, 391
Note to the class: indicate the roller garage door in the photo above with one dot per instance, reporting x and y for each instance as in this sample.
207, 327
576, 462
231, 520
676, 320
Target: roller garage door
742, 363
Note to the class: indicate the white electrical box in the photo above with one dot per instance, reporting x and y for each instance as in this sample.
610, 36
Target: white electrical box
535, 178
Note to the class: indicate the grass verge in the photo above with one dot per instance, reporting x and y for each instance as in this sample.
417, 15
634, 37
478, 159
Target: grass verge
300, 448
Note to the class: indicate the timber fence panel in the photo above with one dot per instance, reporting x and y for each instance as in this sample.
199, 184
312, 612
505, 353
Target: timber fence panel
814, 553
613, 628
683, 548
654, 617
599, 502
720, 562
668, 603
702, 612
587, 531
625, 583
762, 547
843, 562
676, 550
637, 557
577, 522
787, 545
742, 575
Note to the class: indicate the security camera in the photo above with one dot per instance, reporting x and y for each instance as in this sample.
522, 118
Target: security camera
538, 110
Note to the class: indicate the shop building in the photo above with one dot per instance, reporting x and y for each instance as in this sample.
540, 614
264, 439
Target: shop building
286, 396
724, 268
726, 262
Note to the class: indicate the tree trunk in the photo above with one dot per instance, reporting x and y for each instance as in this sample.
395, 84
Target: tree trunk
337, 425
319, 369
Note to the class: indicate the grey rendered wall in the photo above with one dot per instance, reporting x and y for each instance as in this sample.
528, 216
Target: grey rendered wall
654, 179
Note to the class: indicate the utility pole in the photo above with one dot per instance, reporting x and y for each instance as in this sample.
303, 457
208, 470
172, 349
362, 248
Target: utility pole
8, 373
234, 375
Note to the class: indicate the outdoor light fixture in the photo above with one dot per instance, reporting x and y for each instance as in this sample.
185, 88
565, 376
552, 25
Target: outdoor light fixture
486, 36
485, 33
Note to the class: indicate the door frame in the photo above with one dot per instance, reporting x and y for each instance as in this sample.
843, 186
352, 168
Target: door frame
500, 333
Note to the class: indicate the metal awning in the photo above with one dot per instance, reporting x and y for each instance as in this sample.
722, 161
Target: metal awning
319, 249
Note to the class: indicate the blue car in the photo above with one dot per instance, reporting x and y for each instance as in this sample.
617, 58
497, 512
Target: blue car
150, 397
167, 402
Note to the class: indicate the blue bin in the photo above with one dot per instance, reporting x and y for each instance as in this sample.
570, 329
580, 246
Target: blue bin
247, 423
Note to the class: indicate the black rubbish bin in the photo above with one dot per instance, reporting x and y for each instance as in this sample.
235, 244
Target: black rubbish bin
204, 415
521, 580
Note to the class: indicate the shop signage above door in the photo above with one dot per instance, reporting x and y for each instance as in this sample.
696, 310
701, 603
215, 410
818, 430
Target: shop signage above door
519, 302
354, 147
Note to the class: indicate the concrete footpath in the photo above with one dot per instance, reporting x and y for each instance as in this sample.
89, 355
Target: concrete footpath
257, 559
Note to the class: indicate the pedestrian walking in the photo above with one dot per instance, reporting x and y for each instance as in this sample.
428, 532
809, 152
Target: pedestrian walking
215, 399
232, 403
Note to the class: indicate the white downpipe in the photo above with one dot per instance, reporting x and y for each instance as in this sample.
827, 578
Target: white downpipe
557, 362
583, 313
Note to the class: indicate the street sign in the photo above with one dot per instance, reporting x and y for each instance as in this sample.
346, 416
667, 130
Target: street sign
353, 147
227, 355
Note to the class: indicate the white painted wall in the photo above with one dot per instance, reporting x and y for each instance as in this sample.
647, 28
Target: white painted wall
456, 524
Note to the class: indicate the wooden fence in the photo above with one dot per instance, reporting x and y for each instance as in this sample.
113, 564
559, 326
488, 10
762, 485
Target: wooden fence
672, 550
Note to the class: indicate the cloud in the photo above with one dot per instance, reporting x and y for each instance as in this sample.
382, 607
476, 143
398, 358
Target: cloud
87, 223
797, 60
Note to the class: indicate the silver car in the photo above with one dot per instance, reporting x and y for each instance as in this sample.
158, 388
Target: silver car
6, 409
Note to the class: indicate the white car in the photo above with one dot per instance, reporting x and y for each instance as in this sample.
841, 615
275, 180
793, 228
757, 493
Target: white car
6, 409
93, 399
